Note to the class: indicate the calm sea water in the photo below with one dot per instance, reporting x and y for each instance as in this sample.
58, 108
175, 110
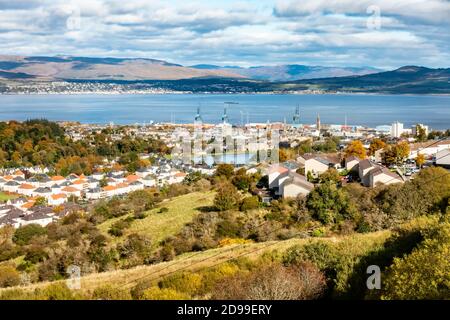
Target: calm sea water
368, 110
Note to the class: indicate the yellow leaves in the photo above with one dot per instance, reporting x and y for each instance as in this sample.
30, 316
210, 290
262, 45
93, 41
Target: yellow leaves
355, 148
229, 241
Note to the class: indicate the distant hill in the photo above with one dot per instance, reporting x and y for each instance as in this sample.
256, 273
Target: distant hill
20, 71
64, 67
290, 72
408, 79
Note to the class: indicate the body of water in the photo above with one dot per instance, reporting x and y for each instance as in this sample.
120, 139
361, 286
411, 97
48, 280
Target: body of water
367, 110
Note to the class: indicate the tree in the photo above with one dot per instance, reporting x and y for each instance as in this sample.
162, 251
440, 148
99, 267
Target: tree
225, 170
9, 277
355, 148
424, 273
420, 160
227, 197
24, 234
330, 175
330, 204
395, 154
40, 201
250, 203
421, 133
375, 145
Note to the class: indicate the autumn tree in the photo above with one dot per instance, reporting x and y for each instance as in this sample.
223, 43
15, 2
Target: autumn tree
355, 148
375, 145
227, 197
395, 154
420, 160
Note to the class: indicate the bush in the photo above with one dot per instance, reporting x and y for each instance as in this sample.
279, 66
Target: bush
185, 282
273, 282
155, 293
9, 277
56, 291
250, 203
23, 235
109, 292
118, 227
424, 273
163, 210
227, 197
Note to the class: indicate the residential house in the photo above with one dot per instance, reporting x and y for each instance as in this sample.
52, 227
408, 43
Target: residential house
294, 185
352, 163
274, 173
57, 199
443, 158
382, 175
26, 189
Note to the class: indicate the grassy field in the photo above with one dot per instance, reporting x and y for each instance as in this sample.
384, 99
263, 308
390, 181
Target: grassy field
5, 197
210, 258
157, 225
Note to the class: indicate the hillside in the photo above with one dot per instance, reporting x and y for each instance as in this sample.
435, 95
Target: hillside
291, 72
408, 79
63, 67
159, 225
195, 261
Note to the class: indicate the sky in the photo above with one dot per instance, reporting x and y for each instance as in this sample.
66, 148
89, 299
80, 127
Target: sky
378, 33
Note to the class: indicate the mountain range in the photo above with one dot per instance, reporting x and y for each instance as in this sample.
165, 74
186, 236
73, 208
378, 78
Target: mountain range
290, 72
150, 73
66, 67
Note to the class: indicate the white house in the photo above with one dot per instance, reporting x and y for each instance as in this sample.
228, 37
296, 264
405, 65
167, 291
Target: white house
94, 194
57, 199
11, 186
149, 181
382, 175
443, 158
274, 173
352, 163
294, 185
26, 189
316, 165
364, 167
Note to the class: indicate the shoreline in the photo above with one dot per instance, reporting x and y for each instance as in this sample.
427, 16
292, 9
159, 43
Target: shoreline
103, 93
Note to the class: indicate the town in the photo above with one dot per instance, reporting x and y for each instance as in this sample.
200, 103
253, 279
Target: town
293, 157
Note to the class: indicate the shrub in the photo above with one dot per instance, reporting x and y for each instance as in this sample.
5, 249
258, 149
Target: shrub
320, 253
155, 293
273, 282
23, 235
109, 292
227, 197
250, 203
56, 291
424, 273
9, 277
163, 210
185, 282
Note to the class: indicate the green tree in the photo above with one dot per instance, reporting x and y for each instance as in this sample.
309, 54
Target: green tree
329, 204
227, 197
424, 273
23, 235
225, 170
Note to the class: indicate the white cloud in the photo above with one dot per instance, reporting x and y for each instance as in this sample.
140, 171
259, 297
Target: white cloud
231, 32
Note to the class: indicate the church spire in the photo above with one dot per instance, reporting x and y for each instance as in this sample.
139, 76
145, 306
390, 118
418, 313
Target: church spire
318, 122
